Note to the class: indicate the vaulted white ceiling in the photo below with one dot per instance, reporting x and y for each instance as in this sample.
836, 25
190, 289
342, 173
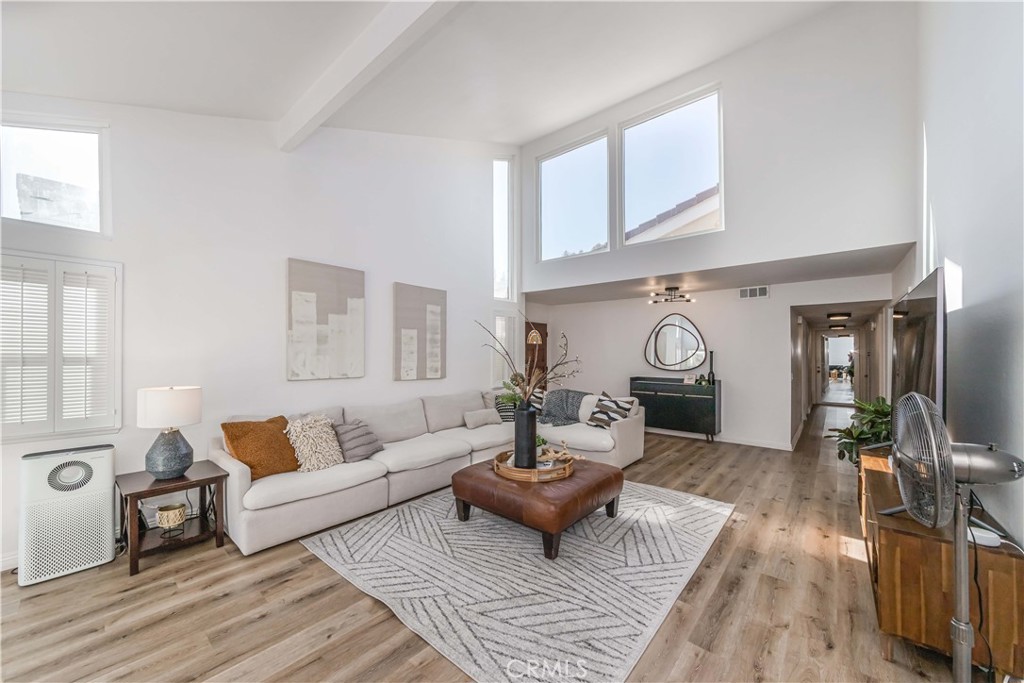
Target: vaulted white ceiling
240, 59
491, 71
514, 71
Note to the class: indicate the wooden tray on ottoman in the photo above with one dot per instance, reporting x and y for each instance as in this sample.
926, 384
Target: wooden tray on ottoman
560, 470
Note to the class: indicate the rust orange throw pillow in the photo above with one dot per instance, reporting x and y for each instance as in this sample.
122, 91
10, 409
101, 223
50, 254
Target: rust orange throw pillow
263, 446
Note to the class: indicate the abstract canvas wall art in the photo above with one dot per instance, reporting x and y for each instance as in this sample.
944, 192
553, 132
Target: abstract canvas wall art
421, 332
326, 321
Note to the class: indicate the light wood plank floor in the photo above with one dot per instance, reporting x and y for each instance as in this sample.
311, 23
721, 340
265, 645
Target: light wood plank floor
782, 596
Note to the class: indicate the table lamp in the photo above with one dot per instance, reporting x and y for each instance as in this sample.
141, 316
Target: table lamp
168, 408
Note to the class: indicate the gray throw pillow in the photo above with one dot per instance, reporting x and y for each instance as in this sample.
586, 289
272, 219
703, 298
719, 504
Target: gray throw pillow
479, 418
357, 441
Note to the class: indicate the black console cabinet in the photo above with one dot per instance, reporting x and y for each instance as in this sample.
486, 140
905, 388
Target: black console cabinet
670, 404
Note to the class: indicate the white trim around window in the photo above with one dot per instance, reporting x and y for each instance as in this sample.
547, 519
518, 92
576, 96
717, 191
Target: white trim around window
100, 127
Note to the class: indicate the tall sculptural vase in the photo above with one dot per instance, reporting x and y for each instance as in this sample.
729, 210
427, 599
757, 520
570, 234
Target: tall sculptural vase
525, 452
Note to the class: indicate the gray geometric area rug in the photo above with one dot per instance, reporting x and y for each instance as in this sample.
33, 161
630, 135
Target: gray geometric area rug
482, 594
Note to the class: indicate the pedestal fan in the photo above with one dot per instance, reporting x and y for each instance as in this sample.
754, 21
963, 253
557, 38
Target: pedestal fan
931, 471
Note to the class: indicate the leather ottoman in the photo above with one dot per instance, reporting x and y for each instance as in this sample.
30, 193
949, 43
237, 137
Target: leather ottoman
549, 507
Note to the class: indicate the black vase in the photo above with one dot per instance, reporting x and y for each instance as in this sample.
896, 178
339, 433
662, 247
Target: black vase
526, 436
711, 372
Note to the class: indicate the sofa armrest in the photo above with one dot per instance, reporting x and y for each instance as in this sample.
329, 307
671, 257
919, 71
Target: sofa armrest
239, 479
628, 435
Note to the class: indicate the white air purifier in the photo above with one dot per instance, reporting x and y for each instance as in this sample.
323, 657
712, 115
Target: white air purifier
67, 512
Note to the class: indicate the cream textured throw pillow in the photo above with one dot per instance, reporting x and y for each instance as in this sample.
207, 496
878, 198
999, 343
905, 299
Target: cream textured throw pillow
315, 443
479, 418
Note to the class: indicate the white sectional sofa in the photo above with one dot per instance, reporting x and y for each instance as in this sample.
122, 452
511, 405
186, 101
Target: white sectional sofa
425, 441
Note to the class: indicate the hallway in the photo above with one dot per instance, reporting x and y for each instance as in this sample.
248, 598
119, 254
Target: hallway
840, 391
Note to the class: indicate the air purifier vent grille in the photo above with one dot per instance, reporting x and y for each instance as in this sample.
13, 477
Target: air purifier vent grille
66, 535
69, 476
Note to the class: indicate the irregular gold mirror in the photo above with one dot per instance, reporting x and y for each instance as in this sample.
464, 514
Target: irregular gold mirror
675, 344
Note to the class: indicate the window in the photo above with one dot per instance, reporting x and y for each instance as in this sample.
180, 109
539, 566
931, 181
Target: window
503, 328
54, 176
59, 356
502, 229
574, 201
671, 171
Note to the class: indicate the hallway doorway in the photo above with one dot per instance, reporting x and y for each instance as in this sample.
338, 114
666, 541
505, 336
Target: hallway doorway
855, 335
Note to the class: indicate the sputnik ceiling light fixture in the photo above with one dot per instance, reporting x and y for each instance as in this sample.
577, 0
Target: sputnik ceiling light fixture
671, 295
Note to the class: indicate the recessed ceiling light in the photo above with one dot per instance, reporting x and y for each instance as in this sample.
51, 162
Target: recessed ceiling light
837, 327
838, 316
900, 314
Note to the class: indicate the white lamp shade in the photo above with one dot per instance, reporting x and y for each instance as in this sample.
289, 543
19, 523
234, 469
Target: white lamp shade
166, 407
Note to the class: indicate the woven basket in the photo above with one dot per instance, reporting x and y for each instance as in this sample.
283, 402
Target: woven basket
561, 470
168, 516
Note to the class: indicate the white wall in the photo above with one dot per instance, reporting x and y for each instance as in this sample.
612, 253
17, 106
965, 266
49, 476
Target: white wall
206, 213
751, 340
972, 106
819, 150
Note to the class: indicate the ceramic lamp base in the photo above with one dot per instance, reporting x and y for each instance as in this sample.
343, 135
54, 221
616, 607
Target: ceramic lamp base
169, 456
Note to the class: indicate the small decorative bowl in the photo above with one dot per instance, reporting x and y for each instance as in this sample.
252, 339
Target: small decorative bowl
168, 516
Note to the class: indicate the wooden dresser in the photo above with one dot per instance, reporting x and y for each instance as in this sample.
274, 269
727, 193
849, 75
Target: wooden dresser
911, 569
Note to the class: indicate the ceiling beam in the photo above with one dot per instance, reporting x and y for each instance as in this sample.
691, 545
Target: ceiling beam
393, 31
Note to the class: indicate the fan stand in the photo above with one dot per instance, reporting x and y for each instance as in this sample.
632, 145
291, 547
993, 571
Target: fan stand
960, 629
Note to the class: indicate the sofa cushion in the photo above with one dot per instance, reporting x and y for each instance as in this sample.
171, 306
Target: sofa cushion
587, 406
481, 438
578, 435
315, 443
421, 451
445, 412
262, 446
393, 421
357, 441
291, 486
336, 413
609, 410
479, 418
590, 402
506, 410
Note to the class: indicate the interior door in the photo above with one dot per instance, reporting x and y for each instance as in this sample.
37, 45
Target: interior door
537, 347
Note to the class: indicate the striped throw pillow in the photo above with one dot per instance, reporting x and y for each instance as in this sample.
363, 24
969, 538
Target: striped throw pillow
507, 411
537, 399
609, 410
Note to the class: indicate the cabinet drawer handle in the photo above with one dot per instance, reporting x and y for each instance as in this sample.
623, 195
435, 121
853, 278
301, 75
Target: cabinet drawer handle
697, 396
652, 393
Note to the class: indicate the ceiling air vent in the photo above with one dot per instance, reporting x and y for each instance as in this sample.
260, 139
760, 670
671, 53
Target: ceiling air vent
760, 292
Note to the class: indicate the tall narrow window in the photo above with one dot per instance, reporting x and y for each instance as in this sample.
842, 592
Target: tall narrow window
671, 173
502, 229
574, 201
503, 327
59, 350
52, 176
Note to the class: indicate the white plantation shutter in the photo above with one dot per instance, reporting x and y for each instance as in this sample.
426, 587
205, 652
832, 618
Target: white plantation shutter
59, 367
85, 348
26, 346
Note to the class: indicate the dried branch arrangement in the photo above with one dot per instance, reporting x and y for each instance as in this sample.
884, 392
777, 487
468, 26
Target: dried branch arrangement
521, 384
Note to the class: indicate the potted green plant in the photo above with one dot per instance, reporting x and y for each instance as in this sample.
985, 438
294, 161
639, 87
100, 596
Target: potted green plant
872, 424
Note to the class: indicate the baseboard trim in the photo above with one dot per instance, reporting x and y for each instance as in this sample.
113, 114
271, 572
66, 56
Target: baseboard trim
774, 445
8, 561
796, 435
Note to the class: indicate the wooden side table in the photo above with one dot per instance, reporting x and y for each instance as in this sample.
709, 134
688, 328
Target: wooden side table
137, 486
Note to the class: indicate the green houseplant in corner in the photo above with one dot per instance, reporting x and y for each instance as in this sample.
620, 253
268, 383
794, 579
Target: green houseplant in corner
872, 424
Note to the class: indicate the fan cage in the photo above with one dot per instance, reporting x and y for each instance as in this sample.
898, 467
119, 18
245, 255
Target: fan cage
924, 461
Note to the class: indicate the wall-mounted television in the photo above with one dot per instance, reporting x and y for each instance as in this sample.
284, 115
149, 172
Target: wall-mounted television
919, 342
